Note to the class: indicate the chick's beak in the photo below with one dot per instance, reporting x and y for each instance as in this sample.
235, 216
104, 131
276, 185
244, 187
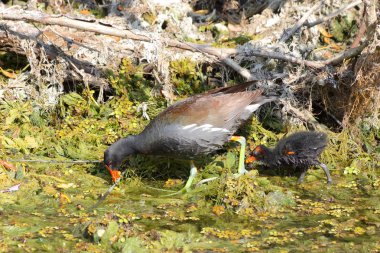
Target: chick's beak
250, 159
115, 174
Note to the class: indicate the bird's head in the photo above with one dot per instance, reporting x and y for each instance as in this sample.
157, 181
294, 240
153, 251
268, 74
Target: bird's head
258, 154
115, 155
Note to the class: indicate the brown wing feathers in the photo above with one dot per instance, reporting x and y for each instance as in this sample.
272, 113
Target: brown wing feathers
230, 89
215, 107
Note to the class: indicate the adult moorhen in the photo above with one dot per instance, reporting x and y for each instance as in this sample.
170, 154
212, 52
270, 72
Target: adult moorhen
196, 126
299, 150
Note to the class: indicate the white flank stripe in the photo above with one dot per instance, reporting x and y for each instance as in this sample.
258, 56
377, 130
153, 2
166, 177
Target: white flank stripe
217, 129
252, 108
189, 126
205, 128
202, 127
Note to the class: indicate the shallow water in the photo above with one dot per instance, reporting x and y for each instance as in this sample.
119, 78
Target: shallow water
51, 213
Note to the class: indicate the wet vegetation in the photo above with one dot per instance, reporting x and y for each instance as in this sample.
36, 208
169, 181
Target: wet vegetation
51, 118
49, 207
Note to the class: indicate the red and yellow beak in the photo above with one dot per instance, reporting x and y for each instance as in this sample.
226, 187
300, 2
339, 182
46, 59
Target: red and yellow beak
115, 174
250, 159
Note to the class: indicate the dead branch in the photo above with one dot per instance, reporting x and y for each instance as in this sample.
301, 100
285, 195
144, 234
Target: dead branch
334, 14
224, 57
11, 40
242, 71
349, 53
362, 29
304, 115
97, 27
288, 33
91, 26
313, 64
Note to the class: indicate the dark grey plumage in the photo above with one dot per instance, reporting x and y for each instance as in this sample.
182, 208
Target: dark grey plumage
195, 126
300, 150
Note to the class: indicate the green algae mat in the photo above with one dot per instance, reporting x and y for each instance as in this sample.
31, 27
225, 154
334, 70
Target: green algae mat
47, 207
51, 212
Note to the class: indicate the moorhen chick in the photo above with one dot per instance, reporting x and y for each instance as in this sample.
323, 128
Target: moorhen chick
299, 150
193, 127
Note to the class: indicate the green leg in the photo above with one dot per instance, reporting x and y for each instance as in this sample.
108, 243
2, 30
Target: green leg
189, 183
242, 141
326, 170
241, 169
193, 173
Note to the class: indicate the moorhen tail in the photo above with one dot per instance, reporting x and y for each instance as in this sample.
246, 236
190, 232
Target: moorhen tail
299, 150
192, 127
